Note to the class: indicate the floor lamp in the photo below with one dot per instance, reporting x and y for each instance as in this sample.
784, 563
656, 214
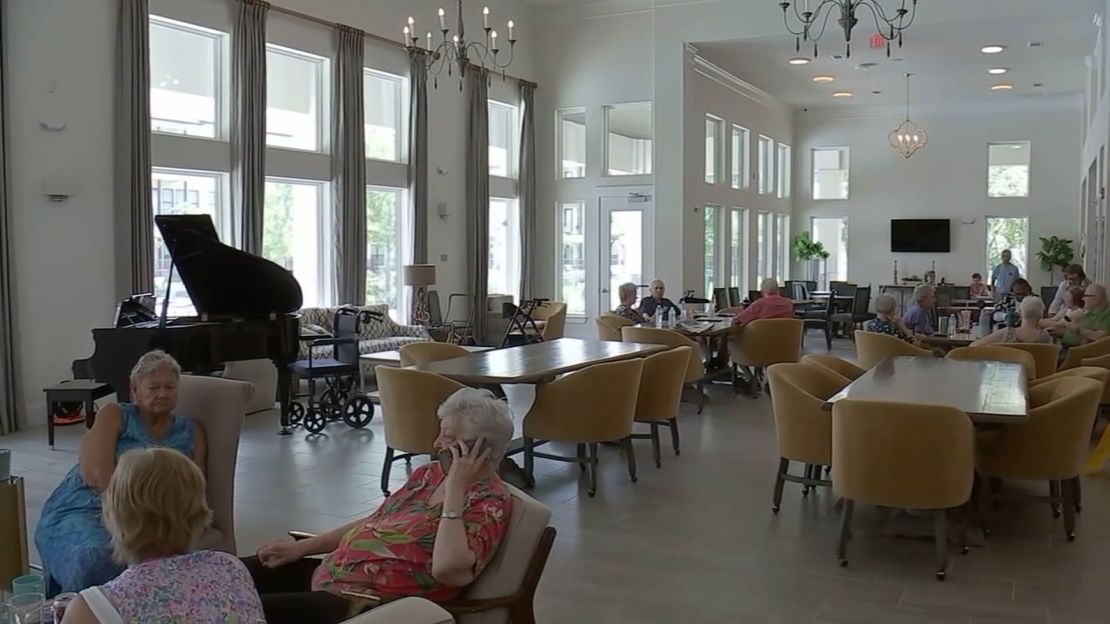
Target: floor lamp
421, 276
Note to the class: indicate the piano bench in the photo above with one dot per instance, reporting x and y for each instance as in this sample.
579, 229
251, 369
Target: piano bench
84, 391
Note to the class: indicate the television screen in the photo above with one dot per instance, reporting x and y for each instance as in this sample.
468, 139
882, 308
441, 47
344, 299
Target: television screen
920, 236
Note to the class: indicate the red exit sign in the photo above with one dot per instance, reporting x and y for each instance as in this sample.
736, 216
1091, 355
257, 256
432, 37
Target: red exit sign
877, 41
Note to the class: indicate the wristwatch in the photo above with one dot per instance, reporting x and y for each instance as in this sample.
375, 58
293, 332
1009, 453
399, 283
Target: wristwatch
450, 515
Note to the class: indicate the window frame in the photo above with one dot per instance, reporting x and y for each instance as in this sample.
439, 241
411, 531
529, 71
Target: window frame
846, 166
650, 162
322, 86
1022, 261
846, 225
401, 116
220, 74
512, 164
560, 241
765, 253
1028, 147
783, 170
714, 173
766, 163
741, 170
713, 262
515, 246
325, 259
401, 240
782, 247
560, 117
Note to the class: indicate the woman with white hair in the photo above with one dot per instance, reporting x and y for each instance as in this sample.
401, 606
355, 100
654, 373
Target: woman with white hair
627, 294
75, 547
1032, 311
430, 538
887, 321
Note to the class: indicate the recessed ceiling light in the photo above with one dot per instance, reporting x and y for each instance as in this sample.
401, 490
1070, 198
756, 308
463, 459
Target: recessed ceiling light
997, 71
992, 49
799, 60
824, 79
842, 94
1003, 86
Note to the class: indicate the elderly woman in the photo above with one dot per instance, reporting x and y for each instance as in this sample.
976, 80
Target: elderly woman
627, 294
921, 317
886, 320
75, 548
1070, 312
1031, 310
430, 538
155, 509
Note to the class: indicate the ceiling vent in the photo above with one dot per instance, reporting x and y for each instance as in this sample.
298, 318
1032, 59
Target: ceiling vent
866, 66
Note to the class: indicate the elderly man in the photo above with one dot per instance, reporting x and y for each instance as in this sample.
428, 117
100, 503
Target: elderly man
770, 305
1073, 276
1095, 322
1004, 275
656, 302
627, 294
919, 318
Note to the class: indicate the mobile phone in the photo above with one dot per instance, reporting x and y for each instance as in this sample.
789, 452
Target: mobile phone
445, 457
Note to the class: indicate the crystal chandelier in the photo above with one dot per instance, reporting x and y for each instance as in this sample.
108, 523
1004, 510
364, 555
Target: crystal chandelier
457, 50
907, 138
811, 24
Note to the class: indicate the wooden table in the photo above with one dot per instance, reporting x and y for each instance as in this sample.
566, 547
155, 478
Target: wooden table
988, 392
962, 339
393, 358
535, 363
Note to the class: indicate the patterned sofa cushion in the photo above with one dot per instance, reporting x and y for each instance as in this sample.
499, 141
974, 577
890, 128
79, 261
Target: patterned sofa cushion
383, 335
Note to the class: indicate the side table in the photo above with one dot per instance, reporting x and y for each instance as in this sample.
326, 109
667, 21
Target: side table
85, 391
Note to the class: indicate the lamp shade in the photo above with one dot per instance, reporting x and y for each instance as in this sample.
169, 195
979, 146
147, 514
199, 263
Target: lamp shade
419, 274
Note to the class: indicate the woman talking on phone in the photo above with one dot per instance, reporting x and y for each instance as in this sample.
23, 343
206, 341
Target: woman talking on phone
430, 538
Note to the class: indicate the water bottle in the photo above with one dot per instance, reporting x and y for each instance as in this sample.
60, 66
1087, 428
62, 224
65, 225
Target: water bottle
952, 325
659, 317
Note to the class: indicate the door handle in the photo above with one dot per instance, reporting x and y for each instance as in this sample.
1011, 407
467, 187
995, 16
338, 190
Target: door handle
604, 290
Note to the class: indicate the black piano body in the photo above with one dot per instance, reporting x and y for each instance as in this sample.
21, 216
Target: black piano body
246, 310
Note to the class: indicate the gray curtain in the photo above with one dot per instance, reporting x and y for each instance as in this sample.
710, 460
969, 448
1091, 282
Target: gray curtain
8, 403
348, 166
477, 197
527, 189
418, 153
248, 122
134, 210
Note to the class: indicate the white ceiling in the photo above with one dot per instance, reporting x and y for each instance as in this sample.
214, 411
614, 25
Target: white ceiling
944, 57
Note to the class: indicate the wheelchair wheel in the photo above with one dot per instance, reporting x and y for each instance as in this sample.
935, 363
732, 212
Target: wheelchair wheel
331, 402
314, 420
358, 412
296, 413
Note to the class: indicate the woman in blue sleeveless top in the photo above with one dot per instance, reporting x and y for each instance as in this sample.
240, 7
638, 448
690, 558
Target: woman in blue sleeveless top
75, 547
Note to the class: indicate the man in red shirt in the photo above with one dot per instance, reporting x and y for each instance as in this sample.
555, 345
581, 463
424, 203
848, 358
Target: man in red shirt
771, 305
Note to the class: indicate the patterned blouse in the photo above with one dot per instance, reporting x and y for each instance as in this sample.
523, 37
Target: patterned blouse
204, 586
630, 313
879, 326
390, 554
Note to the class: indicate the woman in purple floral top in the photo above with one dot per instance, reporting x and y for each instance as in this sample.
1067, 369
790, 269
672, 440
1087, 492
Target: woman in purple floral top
627, 294
154, 508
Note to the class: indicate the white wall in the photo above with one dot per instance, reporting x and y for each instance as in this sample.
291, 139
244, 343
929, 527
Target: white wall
1096, 136
947, 179
64, 260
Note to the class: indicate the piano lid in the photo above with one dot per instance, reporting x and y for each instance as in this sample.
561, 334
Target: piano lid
222, 280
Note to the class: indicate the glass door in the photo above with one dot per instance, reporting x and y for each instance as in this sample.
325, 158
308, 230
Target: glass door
625, 249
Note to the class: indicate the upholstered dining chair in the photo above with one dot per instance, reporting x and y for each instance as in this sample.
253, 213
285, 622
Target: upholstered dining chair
609, 326
802, 426
427, 352
997, 353
409, 400
764, 342
1076, 355
905, 456
554, 317
1052, 445
1045, 356
872, 348
841, 367
594, 404
661, 384
695, 368
1103, 362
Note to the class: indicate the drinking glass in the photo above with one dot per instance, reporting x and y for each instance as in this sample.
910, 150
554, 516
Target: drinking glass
28, 584
27, 609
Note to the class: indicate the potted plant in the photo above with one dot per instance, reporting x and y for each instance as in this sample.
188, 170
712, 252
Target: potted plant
810, 251
1055, 252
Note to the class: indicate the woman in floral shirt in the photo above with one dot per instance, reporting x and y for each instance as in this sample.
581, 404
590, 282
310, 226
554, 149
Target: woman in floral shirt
431, 538
887, 321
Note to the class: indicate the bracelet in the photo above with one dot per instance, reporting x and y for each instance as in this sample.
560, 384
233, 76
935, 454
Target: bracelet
450, 515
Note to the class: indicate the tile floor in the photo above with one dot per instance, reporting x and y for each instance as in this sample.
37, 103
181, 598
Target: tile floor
695, 541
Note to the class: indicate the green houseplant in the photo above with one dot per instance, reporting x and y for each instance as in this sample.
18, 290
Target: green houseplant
810, 251
1055, 252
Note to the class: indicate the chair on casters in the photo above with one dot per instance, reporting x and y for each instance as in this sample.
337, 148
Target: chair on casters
340, 374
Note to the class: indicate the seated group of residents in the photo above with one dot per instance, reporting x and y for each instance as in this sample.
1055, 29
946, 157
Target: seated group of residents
121, 527
627, 293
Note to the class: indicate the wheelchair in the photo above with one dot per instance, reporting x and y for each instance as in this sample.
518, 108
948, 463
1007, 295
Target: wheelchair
339, 399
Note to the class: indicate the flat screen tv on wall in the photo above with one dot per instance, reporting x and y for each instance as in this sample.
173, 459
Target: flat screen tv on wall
920, 236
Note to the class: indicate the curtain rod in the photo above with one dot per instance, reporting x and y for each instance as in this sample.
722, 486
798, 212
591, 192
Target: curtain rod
323, 22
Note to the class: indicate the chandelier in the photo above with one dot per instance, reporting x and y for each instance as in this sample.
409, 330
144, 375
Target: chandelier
812, 24
456, 50
907, 138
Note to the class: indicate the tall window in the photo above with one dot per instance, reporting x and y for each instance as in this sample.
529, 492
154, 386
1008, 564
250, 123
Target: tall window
384, 256
832, 233
628, 139
782, 247
712, 242
572, 241
830, 172
297, 236
1008, 169
502, 139
504, 247
782, 178
714, 148
294, 99
738, 247
383, 96
178, 192
571, 124
185, 78
763, 246
766, 164
1008, 233
740, 151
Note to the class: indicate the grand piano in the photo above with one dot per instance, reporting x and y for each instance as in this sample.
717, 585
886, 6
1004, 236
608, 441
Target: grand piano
245, 310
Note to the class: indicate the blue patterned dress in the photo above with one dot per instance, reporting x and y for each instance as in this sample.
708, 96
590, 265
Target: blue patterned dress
75, 548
